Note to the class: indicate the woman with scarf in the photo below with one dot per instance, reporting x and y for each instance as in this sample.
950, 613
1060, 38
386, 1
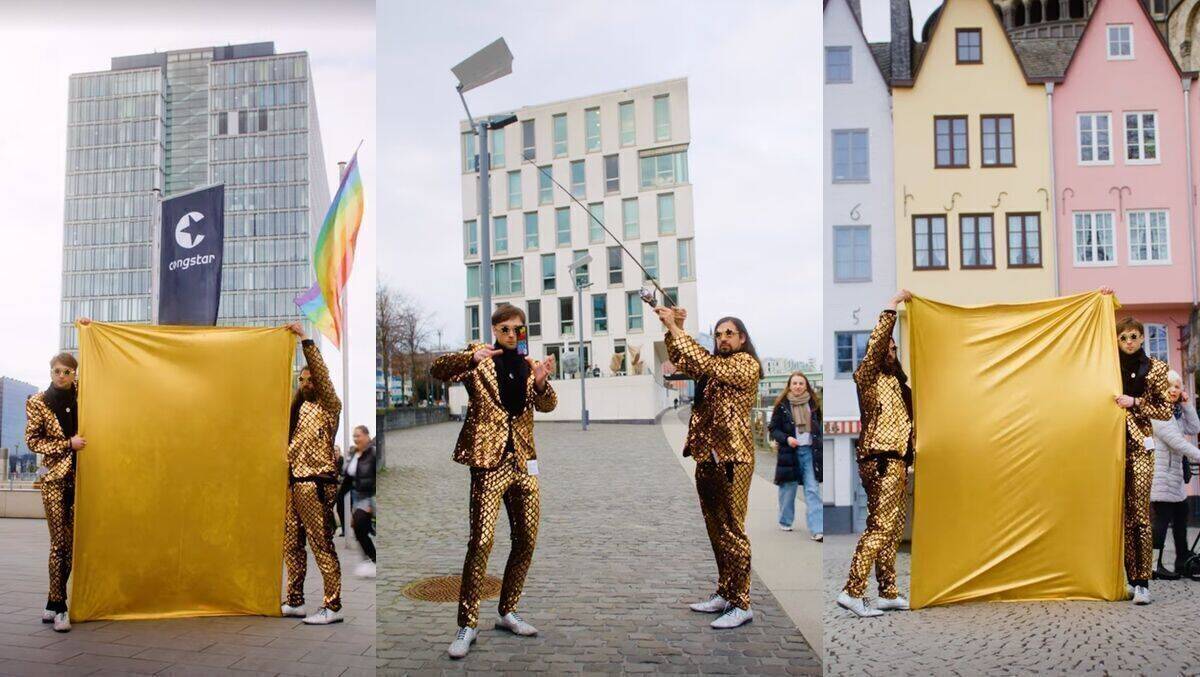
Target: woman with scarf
885, 450
52, 430
1174, 441
796, 428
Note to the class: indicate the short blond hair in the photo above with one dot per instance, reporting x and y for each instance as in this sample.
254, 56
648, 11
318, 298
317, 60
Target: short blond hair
1174, 377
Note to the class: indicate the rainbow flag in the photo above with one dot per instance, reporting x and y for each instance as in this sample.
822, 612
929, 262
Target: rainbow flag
333, 256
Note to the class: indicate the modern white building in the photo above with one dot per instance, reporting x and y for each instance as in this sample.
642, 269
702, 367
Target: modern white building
858, 231
623, 154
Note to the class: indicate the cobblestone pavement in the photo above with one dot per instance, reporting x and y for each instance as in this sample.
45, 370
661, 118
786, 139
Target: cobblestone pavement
621, 550
1006, 638
232, 645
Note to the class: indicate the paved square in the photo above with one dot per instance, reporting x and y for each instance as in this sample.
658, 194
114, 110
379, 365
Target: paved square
231, 645
621, 550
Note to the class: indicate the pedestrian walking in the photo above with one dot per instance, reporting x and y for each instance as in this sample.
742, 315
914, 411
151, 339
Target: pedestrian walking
1174, 444
796, 429
360, 471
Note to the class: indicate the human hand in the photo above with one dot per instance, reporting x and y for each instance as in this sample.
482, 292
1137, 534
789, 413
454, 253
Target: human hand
77, 443
1123, 401
666, 316
793, 442
296, 329
484, 353
1106, 290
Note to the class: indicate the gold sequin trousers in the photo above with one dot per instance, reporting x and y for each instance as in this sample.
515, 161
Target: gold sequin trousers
1139, 542
723, 500
58, 498
522, 502
310, 519
884, 480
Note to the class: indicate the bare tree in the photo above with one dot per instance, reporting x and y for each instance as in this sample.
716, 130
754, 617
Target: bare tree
416, 327
387, 334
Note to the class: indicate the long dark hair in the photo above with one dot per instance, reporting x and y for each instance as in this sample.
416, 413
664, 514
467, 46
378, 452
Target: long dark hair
747, 347
815, 397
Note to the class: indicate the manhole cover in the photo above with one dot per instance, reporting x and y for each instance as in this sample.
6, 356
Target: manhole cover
445, 589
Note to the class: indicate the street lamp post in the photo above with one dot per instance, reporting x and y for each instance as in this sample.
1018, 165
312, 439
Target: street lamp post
579, 287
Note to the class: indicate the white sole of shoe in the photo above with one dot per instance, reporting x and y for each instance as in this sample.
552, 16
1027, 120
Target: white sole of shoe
501, 626
730, 627
465, 654
856, 613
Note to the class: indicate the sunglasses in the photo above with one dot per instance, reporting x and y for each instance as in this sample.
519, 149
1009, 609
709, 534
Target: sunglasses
1129, 337
728, 333
510, 330
305, 379
60, 371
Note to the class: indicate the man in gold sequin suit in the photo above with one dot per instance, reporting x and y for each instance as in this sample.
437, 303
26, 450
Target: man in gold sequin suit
312, 488
51, 430
1143, 397
885, 449
720, 441
504, 389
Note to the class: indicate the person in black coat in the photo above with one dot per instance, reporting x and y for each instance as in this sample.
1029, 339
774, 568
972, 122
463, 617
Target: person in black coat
360, 476
796, 429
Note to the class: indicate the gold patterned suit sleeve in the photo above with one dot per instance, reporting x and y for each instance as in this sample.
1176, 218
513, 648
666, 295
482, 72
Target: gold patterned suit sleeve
326, 395
739, 370
546, 400
38, 437
877, 349
1154, 403
454, 367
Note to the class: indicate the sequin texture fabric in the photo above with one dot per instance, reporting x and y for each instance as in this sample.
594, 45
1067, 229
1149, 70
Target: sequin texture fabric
723, 501
43, 435
886, 423
1139, 470
721, 421
310, 451
310, 519
884, 480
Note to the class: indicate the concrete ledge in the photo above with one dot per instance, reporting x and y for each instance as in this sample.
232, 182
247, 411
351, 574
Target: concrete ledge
21, 503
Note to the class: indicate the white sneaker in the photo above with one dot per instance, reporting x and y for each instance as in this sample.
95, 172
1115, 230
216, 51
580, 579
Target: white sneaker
48, 615
293, 611
324, 616
732, 618
784, 527
365, 569
818, 537
897, 604
857, 606
62, 622
462, 642
515, 624
1141, 595
714, 604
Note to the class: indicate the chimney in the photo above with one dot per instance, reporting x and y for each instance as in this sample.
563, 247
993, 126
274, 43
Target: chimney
902, 40
856, 8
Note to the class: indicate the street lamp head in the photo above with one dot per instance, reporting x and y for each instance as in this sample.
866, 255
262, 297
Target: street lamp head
580, 262
498, 121
490, 63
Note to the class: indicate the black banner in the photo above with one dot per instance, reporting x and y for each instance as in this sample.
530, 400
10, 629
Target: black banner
189, 271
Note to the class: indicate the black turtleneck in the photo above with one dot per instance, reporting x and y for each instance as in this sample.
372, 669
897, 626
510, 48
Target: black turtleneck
512, 372
64, 404
1134, 369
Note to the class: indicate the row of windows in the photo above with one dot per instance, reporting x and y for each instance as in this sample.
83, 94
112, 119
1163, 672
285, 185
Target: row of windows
634, 315
250, 147
261, 171
121, 181
253, 278
266, 197
1023, 237
112, 133
95, 110
109, 232
135, 309
1149, 237
97, 208
280, 250
225, 73
270, 304
508, 276
266, 223
106, 258
115, 84
261, 120
107, 284
117, 157
258, 96
530, 235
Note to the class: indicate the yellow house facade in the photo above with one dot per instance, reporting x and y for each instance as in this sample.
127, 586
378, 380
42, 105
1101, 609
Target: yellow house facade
973, 194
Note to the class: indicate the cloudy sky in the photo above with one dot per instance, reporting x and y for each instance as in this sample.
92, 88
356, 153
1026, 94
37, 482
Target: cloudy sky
753, 77
877, 22
42, 43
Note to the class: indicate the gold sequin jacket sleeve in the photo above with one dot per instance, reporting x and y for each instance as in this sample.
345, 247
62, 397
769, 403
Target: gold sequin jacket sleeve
720, 423
43, 435
1153, 404
877, 349
454, 367
886, 425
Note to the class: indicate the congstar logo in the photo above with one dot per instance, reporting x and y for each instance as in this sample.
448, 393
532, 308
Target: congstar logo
182, 237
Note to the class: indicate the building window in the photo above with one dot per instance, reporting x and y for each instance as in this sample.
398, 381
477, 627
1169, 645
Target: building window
975, 241
533, 317
582, 278
1095, 138
591, 129
566, 316
851, 155
470, 161
472, 323
514, 190
1024, 241
851, 347
578, 179
950, 132
531, 230
851, 253
223, 123
1149, 236
662, 117
1156, 342
1158, 8
629, 218
599, 313
929, 242
560, 134
664, 169
496, 139
616, 263
473, 291
618, 363
666, 214
633, 311
838, 65
628, 128
970, 45
1141, 137
500, 235
545, 185
1120, 42
562, 227
549, 273
507, 277
471, 238
612, 175
996, 132
528, 140
650, 259
1094, 238
686, 259
672, 295
595, 221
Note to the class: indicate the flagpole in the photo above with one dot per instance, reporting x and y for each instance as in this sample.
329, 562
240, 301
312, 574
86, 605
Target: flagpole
345, 347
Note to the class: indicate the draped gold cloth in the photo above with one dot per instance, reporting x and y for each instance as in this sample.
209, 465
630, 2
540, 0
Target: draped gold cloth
180, 492
1020, 451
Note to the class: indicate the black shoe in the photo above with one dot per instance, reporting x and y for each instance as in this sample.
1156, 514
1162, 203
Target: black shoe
1164, 575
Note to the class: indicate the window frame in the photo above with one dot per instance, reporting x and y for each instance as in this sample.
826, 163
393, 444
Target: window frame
1024, 245
946, 245
1108, 42
958, 47
839, 49
1096, 262
855, 359
966, 120
991, 241
851, 229
1095, 146
1129, 242
1157, 159
997, 117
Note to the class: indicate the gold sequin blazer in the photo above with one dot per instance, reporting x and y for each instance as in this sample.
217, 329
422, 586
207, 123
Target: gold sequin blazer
43, 435
885, 420
310, 451
1153, 404
485, 432
721, 421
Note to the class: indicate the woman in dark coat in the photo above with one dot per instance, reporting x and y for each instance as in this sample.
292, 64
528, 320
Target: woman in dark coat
360, 474
796, 429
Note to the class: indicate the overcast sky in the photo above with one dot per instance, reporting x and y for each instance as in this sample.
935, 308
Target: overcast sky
42, 43
877, 19
753, 78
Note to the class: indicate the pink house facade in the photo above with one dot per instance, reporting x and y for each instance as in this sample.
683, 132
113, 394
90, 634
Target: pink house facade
1121, 161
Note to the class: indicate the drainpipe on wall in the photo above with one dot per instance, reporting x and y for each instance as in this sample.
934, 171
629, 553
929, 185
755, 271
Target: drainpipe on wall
1187, 126
1053, 190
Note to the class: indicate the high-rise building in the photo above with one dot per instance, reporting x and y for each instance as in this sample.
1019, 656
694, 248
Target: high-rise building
623, 154
13, 394
169, 122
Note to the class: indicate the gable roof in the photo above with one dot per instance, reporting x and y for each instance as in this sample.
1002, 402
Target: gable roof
885, 73
1162, 41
